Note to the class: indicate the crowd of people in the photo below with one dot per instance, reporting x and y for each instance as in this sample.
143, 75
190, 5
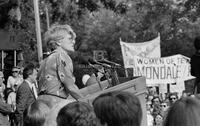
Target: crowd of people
158, 106
32, 97
117, 108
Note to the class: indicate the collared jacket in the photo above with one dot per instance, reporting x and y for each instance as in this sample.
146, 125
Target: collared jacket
24, 97
55, 75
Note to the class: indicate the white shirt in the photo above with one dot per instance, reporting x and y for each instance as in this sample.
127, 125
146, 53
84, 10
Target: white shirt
33, 88
12, 99
12, 81
149, 119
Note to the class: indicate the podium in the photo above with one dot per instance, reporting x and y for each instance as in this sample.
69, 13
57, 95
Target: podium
134, 85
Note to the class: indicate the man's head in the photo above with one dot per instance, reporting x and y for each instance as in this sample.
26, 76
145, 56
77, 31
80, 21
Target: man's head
156, 100
62, 36
173, 97
77, 114
118, 109
30, 73
36, 113
184, 112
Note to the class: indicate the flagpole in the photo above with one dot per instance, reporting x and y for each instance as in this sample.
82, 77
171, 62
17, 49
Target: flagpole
125, 70
38, 31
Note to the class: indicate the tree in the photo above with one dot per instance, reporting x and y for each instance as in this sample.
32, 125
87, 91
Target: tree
100, 23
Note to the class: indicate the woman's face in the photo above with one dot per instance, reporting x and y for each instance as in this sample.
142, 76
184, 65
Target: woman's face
159, 119
15, 73
148, 105
67, 42
164, 106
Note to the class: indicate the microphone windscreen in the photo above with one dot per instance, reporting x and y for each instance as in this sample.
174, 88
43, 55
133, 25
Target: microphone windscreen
82, 60
92, 61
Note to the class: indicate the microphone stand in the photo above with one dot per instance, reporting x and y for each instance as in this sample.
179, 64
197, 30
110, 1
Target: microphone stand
107, 77
98, 81
113, 66
114, 76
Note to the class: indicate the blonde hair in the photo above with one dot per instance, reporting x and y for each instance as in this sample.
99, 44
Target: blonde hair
55, 34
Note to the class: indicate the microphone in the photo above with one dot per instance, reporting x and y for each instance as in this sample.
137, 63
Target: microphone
92, 61
87, 60
110, 62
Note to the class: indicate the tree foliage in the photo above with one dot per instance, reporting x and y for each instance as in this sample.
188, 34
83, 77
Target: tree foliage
100, 24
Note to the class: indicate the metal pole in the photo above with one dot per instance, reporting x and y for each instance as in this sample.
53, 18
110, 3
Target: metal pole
15, 58
47, 16
38, 32
2, 59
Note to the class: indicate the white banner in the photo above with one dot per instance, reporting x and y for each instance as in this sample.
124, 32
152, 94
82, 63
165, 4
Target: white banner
163, 70
144, 49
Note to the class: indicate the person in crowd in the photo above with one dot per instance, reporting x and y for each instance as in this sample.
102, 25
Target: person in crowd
149, 106
149, 97
5, 110
158, 120
195, 67
11, 97
156, 100
15, 80
184, 112
118, 108
55, 75
150, 119
152, 91
11, 100
26, 93
51, 118
36, 113
156, 105
173, 97
77, 114
164, 108
2, 85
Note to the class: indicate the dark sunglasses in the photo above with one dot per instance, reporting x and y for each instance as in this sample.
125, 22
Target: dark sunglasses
172, 98
15, 71
163, 106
